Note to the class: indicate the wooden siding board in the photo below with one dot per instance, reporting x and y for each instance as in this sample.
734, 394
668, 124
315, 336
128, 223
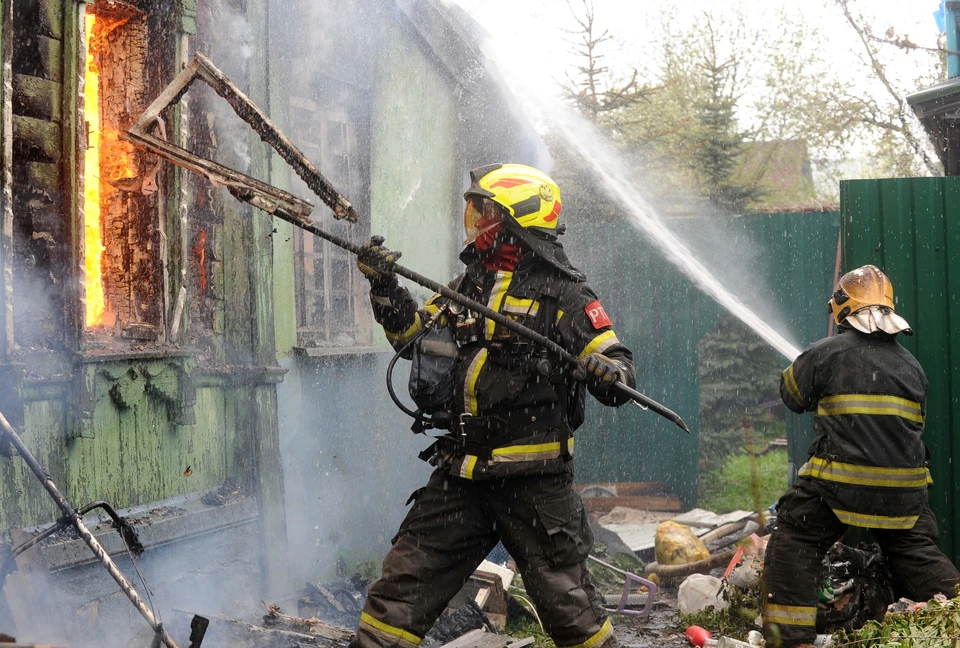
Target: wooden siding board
51, 57
201, 447
24, 501
35, 97
36, 139
51, 17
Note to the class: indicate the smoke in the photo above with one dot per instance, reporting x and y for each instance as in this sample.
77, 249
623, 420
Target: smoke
230, 51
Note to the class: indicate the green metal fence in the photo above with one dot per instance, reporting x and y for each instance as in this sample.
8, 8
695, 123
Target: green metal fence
662, 316
910, 229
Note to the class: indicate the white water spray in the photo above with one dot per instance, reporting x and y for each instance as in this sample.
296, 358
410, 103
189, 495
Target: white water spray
542, 106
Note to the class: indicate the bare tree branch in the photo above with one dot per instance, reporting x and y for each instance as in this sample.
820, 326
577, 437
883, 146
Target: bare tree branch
904, 129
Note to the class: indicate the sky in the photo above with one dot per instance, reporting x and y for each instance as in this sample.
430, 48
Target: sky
534, 28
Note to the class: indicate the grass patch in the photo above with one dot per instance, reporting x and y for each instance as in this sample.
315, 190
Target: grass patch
522, 627
729, 489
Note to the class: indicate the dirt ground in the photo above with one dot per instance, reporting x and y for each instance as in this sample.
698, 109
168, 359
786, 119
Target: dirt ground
661, 629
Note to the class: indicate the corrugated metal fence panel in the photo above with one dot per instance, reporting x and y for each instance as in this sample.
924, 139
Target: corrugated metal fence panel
801, 262
910, 229
661, 315
634, 284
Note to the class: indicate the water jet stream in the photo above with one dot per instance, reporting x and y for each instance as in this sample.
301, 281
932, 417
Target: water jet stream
542, 106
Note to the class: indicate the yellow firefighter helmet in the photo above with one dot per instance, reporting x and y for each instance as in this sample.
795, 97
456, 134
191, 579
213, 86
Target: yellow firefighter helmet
866, 286
530, 196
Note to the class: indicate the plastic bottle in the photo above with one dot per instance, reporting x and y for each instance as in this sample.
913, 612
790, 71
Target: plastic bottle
698, 636
729, 642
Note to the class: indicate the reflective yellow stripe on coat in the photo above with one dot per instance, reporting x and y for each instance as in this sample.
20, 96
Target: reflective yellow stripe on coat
876, 521
466, 468
600, 343
470, 382
400, 338
790, 382
846, 473
529, 452
601, 635
497, 294
376, 627
518, 306
796, 615
875, 404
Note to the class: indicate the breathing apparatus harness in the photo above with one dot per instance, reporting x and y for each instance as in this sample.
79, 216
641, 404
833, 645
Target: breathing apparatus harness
429, 415
434, 353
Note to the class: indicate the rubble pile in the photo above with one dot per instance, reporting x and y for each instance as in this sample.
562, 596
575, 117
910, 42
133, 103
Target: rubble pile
339, 601
906, 623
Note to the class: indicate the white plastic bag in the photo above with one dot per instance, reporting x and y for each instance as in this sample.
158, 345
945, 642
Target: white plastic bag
698, 592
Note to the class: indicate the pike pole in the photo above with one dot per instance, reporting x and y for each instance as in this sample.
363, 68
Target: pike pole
71, 515
642, 401
283, 205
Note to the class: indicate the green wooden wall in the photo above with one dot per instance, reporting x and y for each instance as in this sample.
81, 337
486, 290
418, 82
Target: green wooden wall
416, 172
909, 228
143, 424
350, 460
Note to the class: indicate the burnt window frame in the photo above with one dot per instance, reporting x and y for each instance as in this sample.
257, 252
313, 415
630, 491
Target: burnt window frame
349, 329
169, 253
7, 341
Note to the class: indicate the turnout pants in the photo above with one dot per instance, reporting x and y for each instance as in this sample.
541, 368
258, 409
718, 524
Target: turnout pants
453, 525
806, 529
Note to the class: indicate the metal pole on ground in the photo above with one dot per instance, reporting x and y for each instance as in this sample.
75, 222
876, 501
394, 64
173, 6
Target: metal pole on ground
73, 517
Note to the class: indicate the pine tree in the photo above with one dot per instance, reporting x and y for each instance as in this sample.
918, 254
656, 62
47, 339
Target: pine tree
738, 373
719, 156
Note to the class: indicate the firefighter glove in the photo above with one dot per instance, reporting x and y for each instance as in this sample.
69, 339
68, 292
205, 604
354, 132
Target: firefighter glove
375, 261
601, 371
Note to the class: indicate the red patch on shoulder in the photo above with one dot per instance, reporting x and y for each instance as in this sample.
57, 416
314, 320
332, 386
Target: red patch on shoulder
598, 316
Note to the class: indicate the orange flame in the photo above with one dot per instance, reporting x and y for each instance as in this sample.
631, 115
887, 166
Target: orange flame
92, 236
108, 168
200, 253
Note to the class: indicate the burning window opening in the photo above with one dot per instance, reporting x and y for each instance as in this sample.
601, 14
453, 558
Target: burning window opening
123, 272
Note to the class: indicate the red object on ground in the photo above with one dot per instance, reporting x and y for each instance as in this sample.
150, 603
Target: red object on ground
697, 636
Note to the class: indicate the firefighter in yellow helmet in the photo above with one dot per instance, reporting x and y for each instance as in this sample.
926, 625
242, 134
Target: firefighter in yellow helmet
867, 465
504, 471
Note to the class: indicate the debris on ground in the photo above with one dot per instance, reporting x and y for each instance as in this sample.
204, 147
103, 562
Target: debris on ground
225, 632
484, 639
637, 528
733, 609
487, 589
676, 544
481, 611
699, 592
338, 601
457, 623
654, 496
277, 620
857, 586
923, 625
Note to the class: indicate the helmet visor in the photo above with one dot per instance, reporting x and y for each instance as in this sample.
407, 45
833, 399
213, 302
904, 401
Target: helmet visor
480, 215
